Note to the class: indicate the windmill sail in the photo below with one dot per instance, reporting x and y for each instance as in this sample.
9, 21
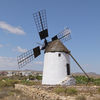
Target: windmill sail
63, 36
25, 58
41, 23
28, 56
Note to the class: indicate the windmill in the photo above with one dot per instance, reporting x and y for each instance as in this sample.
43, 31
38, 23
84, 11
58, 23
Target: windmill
56, 55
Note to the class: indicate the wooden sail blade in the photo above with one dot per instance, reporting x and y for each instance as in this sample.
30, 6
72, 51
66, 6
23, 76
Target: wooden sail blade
41, 23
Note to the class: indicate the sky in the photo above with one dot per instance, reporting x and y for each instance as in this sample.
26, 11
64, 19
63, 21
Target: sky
18, 31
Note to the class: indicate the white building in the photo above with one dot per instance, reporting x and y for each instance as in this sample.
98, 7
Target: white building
10, 73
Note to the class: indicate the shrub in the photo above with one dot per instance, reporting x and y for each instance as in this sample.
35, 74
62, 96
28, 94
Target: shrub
84, 80
2, 84
81, 79
59, 90
97, 81
11, 82
81, 97
8, 83
39, 77
29, 83
71, 91
99, 90
25, 82
31, 77
67, 91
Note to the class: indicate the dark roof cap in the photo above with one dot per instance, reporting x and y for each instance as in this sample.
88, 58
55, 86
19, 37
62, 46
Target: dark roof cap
56, 46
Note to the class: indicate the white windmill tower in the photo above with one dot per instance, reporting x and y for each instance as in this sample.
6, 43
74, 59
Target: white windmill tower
56, 68
56, 63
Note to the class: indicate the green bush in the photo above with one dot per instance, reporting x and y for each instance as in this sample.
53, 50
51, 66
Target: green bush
81, 79
2, 84
39, 77
71, 91
97, 81
67, 91
31, 77
25, 82
59, 90
84, 80
81, 97
99, 90
29, 83
8, 83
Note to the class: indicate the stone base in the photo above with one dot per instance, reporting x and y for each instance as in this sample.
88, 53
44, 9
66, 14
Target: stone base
69, 80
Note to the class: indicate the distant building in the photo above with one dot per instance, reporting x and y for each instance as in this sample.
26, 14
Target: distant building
26, 73
9, 74
20, 73
3, 73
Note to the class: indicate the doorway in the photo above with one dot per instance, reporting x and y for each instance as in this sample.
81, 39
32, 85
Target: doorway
68, 69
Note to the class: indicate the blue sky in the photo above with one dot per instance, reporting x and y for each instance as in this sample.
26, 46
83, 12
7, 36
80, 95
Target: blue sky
18, 32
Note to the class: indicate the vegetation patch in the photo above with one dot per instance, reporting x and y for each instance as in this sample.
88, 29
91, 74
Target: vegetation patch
9, 93
82, 97
65, 91
11, 81
60, 90
8, 82
30, 83
84, 80
71, 91
39, 77
99, 90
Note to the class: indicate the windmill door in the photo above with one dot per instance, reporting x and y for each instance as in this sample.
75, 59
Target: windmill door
68, 69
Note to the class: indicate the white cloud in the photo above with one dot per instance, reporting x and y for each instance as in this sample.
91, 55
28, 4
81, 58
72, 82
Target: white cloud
10, 63
19, 49
1, 45
11, 29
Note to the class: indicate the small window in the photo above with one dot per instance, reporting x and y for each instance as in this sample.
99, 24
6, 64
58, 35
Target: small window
59, 55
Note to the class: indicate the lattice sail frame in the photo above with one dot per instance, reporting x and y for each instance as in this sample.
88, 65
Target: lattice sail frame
64, 35
38, 20
41, 23
25, 58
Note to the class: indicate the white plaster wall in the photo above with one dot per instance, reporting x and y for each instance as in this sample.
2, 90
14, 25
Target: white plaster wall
55, 70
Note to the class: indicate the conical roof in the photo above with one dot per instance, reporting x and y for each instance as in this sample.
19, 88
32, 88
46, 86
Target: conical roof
56, 46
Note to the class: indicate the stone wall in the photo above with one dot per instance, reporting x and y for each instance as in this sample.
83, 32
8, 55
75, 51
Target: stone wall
44, 93
37, 93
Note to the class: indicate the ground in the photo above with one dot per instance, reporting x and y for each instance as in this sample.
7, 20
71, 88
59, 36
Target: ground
81, 91
9, 93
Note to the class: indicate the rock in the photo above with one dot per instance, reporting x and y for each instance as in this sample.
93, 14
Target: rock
69, 80
37, 93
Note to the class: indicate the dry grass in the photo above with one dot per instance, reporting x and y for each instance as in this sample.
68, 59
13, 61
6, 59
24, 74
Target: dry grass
97, 98
99, 90
65, 91
82, 97
9, 93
